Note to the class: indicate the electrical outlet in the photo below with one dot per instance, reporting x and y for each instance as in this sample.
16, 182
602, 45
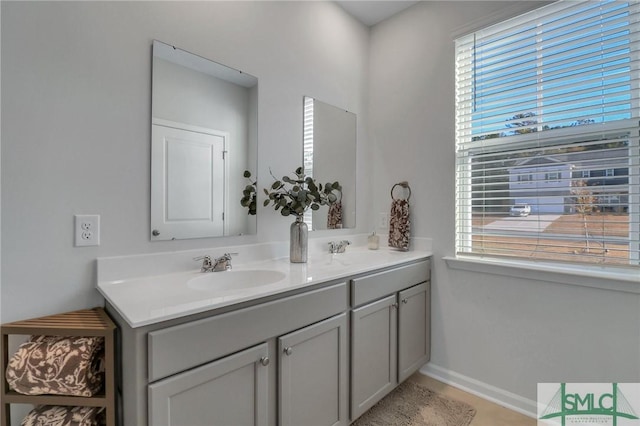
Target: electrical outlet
383, 221
87, 230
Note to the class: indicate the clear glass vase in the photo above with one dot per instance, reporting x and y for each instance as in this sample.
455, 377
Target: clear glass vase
298, 241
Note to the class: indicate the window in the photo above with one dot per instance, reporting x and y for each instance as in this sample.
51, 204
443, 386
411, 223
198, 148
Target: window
307, 150
552, 177
547, 108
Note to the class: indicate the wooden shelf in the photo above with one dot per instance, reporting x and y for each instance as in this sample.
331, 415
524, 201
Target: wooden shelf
86, 322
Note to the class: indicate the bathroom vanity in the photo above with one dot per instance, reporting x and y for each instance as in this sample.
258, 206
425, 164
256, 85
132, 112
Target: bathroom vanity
319, 346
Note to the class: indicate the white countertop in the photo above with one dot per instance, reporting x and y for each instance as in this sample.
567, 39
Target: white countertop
144, 299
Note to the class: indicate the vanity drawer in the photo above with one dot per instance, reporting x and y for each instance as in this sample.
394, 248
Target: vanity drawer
375, 286
178, 348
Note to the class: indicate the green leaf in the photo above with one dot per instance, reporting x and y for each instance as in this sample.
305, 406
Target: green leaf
294, 195
265, 191
266, 203
247, 174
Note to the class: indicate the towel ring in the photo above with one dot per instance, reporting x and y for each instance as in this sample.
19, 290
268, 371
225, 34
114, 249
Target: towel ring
403, 184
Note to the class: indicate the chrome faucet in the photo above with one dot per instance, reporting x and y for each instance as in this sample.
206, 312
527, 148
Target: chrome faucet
338, 247
222, 263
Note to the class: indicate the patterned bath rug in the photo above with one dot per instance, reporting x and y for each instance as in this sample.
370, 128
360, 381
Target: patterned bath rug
411, 404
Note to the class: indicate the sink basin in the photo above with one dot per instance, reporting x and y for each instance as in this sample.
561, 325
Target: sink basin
235, 280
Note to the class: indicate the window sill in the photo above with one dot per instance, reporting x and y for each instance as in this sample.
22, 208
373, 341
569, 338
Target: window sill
627, 281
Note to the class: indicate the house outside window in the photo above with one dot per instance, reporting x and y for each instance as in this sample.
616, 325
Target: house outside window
547, 112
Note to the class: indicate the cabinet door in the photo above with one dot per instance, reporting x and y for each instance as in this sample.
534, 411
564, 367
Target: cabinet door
229, 392
373, 353
313, 385
413, 330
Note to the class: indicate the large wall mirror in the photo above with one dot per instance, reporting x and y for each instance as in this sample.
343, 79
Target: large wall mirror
204, 134
330, 155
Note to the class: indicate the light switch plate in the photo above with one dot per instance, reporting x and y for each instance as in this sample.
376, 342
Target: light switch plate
383, 220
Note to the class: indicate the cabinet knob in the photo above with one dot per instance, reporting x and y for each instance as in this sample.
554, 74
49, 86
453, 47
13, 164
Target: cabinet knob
155, 232
405, 301
395, 305
288, 350
265, 360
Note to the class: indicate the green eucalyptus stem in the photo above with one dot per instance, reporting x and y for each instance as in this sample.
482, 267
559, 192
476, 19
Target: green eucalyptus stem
293, 196
250, 195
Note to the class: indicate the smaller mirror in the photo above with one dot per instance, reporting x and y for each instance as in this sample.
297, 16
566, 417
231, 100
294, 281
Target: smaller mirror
204, 136
329, 155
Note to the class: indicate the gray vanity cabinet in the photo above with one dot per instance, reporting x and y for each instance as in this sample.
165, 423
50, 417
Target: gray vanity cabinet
414, 311
313, 382
373, 353
390, 331
230, 391
319, 356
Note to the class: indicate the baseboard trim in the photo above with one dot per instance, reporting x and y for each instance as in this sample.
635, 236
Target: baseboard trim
486, 391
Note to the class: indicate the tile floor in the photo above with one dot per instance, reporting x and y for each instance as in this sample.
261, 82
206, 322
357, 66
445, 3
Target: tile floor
487, 413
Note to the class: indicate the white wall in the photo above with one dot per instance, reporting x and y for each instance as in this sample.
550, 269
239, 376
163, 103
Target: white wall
496, 335
76, 109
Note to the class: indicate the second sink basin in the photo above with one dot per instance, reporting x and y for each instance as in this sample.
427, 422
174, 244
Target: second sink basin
235, 280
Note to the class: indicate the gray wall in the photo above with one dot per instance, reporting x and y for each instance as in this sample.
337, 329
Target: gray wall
76, 109
510, 333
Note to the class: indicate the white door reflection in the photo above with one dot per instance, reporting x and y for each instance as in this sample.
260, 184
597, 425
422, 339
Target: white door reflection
189, 165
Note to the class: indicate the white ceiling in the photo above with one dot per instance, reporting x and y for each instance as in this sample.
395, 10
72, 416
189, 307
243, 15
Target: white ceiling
372, 12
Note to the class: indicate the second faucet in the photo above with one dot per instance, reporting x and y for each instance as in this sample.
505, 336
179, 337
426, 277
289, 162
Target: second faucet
222, 263
338, 247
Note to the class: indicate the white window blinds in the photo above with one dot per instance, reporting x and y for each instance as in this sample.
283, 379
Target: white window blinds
547, 135
307, 149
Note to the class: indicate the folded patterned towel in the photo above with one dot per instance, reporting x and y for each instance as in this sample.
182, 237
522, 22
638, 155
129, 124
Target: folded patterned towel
399, 225
58, 365
334, 216
53, 415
